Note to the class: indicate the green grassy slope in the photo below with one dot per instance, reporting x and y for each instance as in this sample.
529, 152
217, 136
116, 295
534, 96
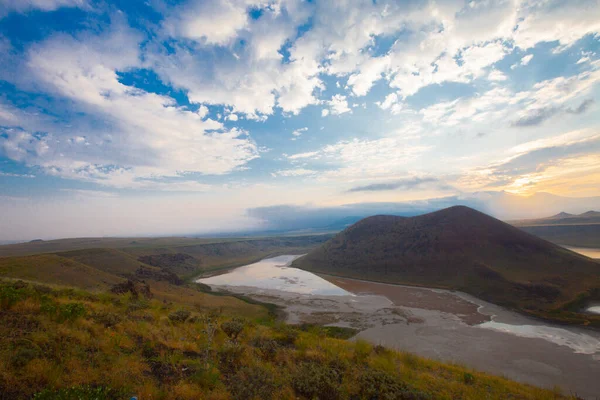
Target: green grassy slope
145, 245
54, 269
66, 344
463, 249
106, 267
163, 264
184, 257
108, 260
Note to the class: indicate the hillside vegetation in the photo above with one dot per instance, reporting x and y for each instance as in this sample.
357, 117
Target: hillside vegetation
185, 257
460, 248
107, 268
58, 343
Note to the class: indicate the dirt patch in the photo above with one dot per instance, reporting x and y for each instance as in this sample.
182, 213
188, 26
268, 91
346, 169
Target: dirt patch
413, 297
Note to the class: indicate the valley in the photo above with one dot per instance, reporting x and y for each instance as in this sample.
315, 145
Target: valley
434, 323
256, 280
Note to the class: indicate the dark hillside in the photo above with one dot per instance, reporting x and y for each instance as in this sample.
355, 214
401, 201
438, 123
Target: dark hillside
459, 248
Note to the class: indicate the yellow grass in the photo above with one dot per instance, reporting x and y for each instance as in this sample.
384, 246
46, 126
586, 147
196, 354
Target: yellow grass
125, 346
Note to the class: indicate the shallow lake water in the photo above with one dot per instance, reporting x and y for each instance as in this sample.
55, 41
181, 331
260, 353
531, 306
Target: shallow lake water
594, 309
439, 324
275, 274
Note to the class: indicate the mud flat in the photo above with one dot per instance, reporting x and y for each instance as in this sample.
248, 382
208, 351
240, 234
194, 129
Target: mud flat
414, 297
439, 324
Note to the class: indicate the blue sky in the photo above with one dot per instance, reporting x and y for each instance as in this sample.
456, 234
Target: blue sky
167, 117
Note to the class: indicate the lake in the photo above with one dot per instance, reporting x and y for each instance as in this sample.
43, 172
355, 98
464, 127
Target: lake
588, 252
439, 324
275, 274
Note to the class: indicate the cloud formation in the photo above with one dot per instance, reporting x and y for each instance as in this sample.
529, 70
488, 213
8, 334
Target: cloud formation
404, 184
317, 101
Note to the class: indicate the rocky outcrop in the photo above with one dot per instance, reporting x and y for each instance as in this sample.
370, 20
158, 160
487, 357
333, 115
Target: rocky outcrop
157, 275
136, 289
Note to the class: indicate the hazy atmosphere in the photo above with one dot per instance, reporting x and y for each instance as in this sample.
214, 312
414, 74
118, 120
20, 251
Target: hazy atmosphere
189, 117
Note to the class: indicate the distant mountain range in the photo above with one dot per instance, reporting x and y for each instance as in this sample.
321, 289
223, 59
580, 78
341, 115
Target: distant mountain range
461, 248
562, 218
502, 205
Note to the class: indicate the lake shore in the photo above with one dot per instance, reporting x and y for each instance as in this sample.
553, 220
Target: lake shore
444, 325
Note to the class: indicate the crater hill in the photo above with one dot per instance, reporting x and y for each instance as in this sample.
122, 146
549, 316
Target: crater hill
464, 249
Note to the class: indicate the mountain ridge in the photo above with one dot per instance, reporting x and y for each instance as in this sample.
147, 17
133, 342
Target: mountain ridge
563, 218
461, 248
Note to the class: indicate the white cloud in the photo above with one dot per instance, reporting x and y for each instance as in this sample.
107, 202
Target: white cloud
562, 140
447, 41
83, 193
7, 6
13, 175
299, 132
202, 111
391, 102
251, 79
558, 161
548, 21
370, 72
256, 67
496, 76
298, 156
215, 22
524, 61
294, 172
364, 159
497, 106
142, 135
338, 105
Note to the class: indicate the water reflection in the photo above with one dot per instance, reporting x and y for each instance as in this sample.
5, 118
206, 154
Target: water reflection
594, 309
274, 274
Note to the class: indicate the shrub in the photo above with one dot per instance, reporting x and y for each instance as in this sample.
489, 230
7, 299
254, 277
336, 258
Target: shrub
379, 385
179, 316
380, 350
362, 350
233, 328
230, 357
207, 378
267, 347
9, 296
48, 306
23, 355
468, 378
149, 351
70, 311
287, 336
317, 380
253, 382
107, 319
42, 289
138, 304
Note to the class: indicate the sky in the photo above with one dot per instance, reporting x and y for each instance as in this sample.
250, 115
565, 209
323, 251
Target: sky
174, 117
